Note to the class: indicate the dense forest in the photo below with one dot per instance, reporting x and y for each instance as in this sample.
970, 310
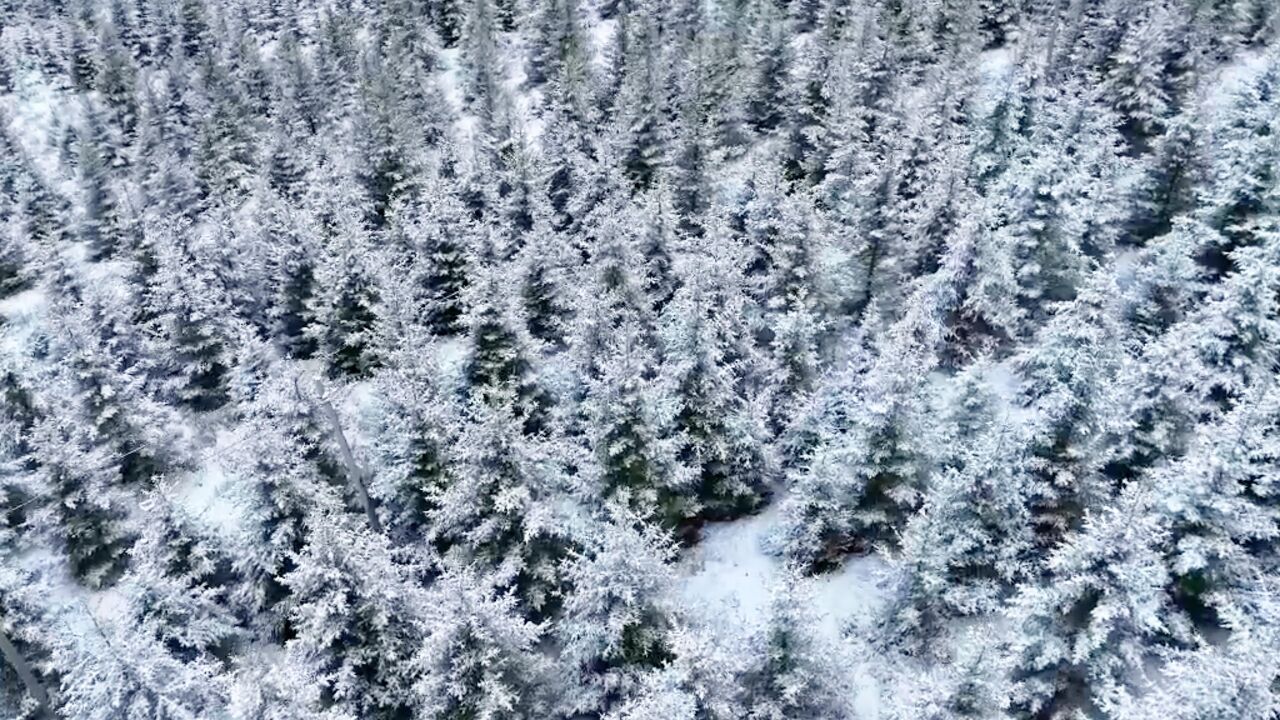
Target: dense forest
639, 359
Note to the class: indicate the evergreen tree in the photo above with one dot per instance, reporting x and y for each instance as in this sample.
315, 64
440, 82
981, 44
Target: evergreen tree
286, 479
358, 616
122, 673
29, 678
969, 544
629, 430
792, 676
346, 302
1239, 200
86, 510
291, 267
614, 623
1166, 188
1066, 383
182, 587
706, 360
767, 64
544, 265
1084, 626
640, 145
188, 311
439, 237
479, 658
1221, 516
496, 509
104, 226
499, 368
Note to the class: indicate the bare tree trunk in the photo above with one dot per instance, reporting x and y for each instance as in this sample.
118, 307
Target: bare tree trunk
25, 673
356, 476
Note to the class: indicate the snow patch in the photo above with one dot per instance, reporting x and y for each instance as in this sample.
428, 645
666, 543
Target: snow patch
727, 578
109, 606
205, 493
19, 321
37, 112
23, 307
601, 36
729, 575
996, 64
451, 358
1233, 78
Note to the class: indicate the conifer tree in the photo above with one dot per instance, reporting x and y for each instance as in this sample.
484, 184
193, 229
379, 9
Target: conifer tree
629, 430
286, 479
116, 84
499, 368
358, 619
1066, 383
119, 672
792, 674
1170, 174
706, 362
345, 306
637, 109
614, 625
188, 312
104, 226
545, 265
969, 544
1084, 626
1219, 516
479, 658
1238, 201
439, 236
767, 64
182, 586
291, 267
496, 509
87, 510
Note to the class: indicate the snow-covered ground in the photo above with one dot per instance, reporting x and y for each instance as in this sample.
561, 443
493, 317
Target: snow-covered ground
23, 307
207, 493
37, 114
19, 320
726, 581
1232, 78
728, 576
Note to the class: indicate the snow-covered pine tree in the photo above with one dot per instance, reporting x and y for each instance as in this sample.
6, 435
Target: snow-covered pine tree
104, 226
1219, 507
614, 624
479, 657
182, 587
1067, 386
359, 617
497, 511
285, 477
1239, 198
345, 304
711, 370
968, 546
791, 673
1170, 174
499, 367
190, 315
638, 108
1084, 629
